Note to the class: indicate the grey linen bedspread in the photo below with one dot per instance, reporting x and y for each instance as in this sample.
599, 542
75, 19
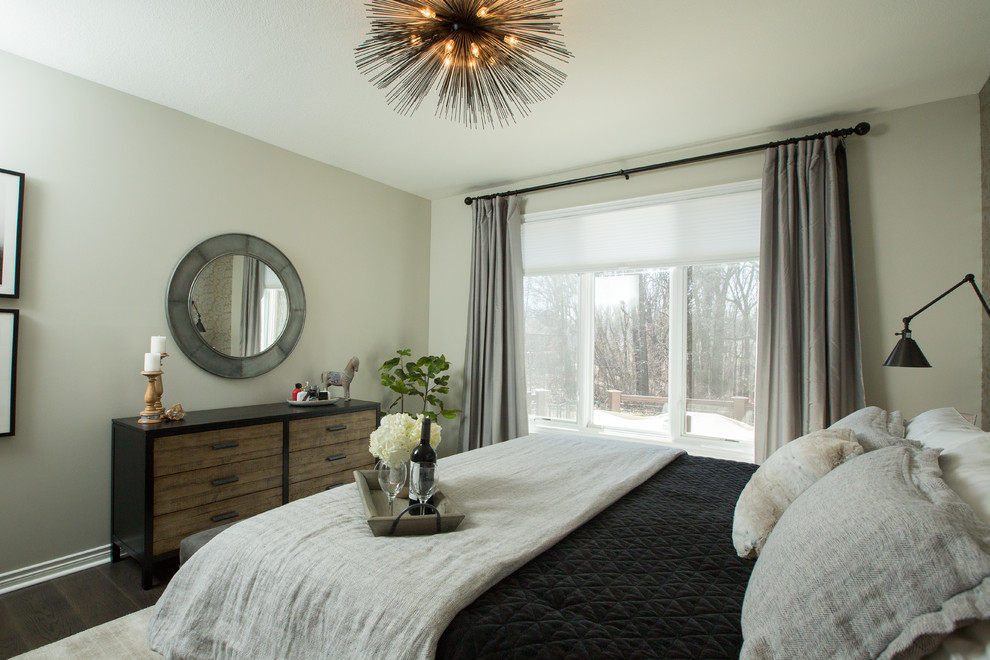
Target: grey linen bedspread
309, 580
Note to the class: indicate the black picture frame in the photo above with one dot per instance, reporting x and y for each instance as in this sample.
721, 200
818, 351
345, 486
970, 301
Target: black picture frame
9, 322
11, 213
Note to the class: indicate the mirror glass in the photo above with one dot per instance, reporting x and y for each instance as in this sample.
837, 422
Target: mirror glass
235, 306
239, 305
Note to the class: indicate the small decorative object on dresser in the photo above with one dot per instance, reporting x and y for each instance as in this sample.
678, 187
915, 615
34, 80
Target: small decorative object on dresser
170, 481
341, 378
154, 411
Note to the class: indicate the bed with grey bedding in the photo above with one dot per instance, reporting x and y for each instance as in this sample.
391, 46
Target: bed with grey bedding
879, 557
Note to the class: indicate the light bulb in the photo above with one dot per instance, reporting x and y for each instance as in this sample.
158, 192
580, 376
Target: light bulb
427, 13
450, 45
511, 39
474, 50
483, 12
448, 60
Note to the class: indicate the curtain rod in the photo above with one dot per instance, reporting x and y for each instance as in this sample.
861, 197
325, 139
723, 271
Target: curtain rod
861, 128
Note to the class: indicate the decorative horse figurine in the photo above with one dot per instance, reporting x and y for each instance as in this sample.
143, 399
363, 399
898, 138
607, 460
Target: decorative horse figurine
341, 378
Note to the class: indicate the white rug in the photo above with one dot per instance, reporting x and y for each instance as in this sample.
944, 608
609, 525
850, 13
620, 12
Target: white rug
120, 639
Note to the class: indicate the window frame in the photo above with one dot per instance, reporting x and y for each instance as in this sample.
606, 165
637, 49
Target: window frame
676, 345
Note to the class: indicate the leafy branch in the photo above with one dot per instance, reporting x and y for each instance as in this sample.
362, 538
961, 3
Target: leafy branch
424, 378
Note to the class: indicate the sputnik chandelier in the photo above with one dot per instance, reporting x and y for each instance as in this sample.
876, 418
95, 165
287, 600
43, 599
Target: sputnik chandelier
486, 58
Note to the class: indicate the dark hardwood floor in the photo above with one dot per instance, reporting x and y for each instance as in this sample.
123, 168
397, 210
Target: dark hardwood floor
46, 612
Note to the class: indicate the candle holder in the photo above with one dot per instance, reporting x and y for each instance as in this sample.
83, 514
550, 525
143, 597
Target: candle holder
159, 384
152, 413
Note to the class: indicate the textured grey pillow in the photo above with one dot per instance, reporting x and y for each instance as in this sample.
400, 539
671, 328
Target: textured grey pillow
879, 558
785, 474
874, 427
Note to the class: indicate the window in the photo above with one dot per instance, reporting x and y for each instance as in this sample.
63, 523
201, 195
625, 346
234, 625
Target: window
641, 317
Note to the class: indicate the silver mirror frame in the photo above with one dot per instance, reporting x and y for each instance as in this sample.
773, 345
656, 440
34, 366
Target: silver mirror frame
191, 342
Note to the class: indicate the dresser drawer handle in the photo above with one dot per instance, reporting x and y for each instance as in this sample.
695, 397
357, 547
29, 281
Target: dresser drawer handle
225, 516
224, 482
334, 486
337, 428
337, 457
226, 445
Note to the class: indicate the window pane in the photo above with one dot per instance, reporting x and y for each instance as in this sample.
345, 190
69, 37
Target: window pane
551, 303
721, 358
631, 365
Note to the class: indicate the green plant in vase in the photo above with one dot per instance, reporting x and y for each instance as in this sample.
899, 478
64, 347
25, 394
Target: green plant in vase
421, 380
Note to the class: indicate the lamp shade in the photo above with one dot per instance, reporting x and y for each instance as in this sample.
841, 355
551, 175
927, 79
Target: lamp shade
906, 354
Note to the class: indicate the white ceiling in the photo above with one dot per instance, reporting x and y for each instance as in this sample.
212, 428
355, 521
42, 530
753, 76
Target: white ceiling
646, 76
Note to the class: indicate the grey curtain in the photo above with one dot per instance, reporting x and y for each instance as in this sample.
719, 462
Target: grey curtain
809, 364
252, 289
494, 360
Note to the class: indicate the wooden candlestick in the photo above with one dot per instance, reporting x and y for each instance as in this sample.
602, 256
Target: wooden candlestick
159, 385
152, 413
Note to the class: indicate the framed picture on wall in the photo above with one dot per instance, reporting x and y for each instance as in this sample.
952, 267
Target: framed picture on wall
8, 368
11, 205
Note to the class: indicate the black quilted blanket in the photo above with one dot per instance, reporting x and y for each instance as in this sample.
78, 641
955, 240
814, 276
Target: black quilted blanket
653, 576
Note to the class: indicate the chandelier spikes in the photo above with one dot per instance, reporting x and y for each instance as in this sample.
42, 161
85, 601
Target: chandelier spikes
485, 58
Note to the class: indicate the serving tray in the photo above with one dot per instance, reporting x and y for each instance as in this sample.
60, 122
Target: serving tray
314, 402
375, 505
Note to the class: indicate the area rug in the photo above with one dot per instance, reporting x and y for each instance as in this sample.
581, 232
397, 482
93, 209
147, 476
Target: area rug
126, 637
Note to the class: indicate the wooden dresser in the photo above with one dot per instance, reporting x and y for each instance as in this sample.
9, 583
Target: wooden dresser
174, 479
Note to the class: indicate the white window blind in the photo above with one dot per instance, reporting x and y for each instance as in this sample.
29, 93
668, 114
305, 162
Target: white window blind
720, 223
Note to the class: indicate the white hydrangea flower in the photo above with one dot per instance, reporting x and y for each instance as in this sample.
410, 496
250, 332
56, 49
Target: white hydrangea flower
397, 435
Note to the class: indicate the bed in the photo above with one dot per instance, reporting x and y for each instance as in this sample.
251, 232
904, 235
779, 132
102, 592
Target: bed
639, 565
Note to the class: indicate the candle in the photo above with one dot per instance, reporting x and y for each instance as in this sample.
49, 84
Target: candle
152, 361
158, 344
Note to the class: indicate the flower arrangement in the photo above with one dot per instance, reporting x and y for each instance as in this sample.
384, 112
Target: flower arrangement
397, 435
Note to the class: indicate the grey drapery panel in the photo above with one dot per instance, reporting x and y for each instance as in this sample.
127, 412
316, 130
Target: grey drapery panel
809, 364
252, 289
494, 360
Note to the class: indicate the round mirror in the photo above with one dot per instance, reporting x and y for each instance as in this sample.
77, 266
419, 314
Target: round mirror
239, 305
235, 306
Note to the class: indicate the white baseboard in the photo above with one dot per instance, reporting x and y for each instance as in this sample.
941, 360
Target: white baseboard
25, 577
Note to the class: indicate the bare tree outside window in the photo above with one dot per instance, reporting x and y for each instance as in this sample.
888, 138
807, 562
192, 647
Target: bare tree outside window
633, 357
721, 349
551, 303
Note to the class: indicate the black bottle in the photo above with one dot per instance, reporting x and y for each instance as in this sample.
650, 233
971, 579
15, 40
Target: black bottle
424, 453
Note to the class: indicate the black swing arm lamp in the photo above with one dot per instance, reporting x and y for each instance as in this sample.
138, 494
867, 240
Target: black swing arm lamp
907, 353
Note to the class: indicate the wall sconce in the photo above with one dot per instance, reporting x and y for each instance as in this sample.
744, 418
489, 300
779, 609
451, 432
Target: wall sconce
906, 352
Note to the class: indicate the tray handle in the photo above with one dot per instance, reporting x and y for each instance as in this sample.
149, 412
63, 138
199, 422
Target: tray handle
395, 523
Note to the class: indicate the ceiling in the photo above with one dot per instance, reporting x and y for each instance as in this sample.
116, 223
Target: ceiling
646, 76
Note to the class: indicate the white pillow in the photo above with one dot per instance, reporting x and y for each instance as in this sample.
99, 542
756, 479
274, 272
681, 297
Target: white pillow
966, 469
785, 474
943, 428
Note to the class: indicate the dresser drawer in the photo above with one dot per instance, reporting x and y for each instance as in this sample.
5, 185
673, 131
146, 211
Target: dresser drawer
324, 431
193, 451
342, 457
171, 528
185, 490
309, 487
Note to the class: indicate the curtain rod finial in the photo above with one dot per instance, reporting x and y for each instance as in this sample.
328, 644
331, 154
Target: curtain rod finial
468, 200
862, 128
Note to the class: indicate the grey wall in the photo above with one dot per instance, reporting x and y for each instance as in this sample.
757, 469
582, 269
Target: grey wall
118, 189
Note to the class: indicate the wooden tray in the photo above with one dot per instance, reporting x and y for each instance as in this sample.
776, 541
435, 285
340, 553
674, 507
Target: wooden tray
376, 510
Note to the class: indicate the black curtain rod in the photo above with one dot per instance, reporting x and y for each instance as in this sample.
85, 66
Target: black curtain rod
861, 128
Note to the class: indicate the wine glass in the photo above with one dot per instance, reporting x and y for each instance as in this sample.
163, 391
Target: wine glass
423, 481
391, 479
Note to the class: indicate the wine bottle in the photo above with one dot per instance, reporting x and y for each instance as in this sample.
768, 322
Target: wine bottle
423, 455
